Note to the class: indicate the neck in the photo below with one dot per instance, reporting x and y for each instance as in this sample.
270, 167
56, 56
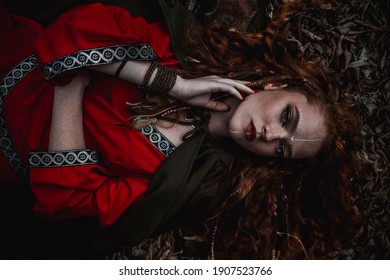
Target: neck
219, 121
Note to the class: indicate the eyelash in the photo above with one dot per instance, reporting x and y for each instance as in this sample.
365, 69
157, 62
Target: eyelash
280, 148
286, 117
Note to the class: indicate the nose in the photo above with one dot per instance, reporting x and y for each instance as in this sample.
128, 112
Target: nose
271, 133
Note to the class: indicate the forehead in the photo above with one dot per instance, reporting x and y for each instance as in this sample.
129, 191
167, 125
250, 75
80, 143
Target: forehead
294, 96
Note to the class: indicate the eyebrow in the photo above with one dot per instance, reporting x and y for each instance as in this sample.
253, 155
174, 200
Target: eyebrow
289, 151
297, 117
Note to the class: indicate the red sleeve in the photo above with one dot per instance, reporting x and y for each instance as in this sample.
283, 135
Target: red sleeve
96, 34
72, 183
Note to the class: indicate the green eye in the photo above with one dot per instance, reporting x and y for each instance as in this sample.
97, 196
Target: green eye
280, 148
286, 116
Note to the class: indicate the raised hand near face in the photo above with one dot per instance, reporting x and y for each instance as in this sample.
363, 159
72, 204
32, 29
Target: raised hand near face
198, 91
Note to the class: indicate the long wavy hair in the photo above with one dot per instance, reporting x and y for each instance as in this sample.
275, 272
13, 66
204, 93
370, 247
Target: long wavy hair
279, 208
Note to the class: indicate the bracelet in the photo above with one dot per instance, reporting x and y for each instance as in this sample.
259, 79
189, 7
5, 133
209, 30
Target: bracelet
162, 83
148, 75
118, 71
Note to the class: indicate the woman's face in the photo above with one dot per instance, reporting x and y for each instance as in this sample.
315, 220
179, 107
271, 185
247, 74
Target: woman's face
278, 123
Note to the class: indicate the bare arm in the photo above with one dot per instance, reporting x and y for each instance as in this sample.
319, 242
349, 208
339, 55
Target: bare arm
196, 92
133, 71
67, 119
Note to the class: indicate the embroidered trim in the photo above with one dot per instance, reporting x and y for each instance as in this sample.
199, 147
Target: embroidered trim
102, 55
6, 143
158, 139
63, 158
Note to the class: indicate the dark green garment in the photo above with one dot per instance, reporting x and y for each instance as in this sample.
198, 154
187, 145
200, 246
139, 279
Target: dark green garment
173, 199
173, 185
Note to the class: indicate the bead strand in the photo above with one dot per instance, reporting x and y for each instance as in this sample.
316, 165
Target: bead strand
213, 235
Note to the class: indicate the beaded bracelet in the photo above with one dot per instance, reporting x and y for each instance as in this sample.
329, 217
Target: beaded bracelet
162, 83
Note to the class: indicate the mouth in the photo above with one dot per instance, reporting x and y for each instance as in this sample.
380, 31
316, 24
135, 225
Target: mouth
250, 132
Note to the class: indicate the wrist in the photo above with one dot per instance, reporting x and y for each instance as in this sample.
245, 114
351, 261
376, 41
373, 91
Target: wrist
177, 88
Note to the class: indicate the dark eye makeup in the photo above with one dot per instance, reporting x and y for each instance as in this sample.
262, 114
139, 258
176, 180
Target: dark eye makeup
286, 118
280, 148
286, 115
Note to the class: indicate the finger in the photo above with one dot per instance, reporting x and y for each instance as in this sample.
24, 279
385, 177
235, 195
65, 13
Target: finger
210, 77
217, 106
227, 80
239, 85
244, 88
242, 82
229, 89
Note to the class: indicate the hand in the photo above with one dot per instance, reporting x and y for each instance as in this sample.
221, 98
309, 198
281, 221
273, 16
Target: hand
198, 91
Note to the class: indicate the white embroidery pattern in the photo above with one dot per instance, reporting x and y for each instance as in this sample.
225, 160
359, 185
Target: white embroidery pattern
96, 56
6, 143
158, 139
63, 158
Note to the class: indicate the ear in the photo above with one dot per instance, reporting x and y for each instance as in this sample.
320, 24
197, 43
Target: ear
274, 85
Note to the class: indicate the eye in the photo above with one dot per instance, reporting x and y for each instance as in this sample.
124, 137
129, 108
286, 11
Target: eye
280, 148
286, 115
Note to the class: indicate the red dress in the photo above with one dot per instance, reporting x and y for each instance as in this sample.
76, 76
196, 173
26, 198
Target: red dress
115, 169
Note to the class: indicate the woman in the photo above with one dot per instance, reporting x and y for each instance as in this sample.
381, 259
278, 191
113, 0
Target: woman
78, 141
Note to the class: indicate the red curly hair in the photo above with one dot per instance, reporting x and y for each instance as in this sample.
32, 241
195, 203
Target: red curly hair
280, 208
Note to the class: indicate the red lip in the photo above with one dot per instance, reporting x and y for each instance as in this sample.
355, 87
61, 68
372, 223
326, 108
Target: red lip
250, 132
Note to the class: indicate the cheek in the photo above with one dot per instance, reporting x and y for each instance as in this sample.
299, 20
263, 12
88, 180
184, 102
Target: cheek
256, 147
239, 119
267, 113
263, 148
307, 150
